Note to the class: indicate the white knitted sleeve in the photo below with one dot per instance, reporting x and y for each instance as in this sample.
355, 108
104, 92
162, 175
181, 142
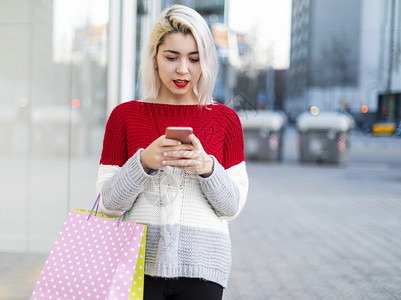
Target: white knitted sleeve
104, 173
239, 175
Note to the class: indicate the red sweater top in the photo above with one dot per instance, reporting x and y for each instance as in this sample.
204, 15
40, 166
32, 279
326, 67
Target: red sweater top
133, 125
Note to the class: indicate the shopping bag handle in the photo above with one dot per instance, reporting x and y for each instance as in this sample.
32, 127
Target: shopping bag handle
123, 216
97, 207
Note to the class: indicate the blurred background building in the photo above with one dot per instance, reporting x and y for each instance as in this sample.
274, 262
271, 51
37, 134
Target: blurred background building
64, 65
346, 55
54, 73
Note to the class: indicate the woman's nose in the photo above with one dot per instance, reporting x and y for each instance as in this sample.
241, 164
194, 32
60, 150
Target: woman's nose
182, 67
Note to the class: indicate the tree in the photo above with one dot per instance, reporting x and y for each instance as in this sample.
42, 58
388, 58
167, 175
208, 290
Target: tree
338, 65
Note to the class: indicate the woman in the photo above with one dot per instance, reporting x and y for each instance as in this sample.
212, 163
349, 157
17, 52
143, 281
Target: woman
184, 193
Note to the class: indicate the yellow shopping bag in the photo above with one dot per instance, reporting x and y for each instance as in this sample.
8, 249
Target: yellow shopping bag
136, 292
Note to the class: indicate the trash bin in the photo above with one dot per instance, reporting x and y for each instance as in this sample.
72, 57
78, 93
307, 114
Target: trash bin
263, 134
324, 137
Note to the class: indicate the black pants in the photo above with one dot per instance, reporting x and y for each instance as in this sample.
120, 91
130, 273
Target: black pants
156, 288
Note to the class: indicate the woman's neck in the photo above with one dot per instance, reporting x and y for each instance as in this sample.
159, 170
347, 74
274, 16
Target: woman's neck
187, 99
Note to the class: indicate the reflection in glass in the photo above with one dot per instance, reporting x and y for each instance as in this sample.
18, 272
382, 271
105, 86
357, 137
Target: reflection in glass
52, 53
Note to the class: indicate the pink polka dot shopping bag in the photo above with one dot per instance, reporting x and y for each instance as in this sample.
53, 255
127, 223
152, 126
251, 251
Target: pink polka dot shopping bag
94, 257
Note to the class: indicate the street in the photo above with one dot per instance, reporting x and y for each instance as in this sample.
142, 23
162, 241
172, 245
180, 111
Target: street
308, 231
313, 231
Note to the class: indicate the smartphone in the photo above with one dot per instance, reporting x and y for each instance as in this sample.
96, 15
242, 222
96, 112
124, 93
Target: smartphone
179, 133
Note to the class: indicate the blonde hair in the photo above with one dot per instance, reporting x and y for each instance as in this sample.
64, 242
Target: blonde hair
179, 18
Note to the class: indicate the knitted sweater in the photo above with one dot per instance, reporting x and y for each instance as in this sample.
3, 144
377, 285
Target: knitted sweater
186, 214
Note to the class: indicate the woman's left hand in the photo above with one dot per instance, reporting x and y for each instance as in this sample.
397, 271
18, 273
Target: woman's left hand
196, 160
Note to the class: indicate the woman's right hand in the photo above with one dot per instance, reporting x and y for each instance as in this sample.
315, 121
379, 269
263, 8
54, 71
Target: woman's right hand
152, 156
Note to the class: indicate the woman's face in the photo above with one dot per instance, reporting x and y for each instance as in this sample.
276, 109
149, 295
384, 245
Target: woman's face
179, 67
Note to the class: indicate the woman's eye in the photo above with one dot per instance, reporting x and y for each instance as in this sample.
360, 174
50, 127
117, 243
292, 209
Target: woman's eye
171, 58
194, 60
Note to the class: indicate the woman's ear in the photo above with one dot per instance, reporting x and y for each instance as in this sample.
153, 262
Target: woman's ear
155, 63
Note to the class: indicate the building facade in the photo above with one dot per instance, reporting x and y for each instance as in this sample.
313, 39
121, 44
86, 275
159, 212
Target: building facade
64, 65
340, 54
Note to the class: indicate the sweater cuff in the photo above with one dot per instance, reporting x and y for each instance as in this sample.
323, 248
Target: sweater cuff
136, 171
215, 179
221, 192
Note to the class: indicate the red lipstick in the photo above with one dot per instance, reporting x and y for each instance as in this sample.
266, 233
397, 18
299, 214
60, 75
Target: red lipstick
181, 83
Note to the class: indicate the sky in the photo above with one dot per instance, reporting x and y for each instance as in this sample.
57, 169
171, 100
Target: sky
272, 18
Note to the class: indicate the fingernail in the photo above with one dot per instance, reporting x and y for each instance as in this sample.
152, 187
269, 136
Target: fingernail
165, 153
163, 163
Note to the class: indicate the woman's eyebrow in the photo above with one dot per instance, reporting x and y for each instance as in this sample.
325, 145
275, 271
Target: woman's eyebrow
176, 52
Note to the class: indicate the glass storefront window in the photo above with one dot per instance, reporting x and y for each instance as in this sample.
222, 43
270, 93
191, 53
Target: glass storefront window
53, 86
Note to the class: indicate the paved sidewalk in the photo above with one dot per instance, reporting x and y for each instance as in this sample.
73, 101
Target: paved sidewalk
308, 231
311, 232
